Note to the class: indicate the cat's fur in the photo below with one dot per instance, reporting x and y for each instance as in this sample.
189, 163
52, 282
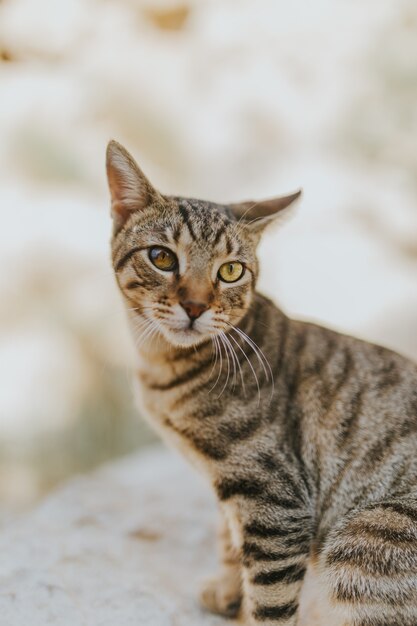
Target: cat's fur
308, 437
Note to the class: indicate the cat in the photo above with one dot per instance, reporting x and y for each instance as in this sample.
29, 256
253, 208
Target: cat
308, 437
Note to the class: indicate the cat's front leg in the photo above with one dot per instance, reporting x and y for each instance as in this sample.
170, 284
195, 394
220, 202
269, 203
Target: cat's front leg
223, 594
275, 555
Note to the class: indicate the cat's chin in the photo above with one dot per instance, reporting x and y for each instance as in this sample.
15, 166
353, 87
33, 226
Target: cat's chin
185, 338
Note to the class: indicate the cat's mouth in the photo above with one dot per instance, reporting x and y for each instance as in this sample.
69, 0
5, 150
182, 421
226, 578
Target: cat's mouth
187, 334
181, 330
177, 328
187, 337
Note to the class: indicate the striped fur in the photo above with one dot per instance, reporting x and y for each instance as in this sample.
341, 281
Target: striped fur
308, 437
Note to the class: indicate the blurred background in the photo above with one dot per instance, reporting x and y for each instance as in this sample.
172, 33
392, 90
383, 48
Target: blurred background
220, 99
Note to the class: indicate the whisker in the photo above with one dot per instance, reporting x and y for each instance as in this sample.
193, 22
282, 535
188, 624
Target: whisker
147, 331
250, 365
260, 355
214, 343
143, 334
233, 355
256, 349
236, 360
138, 325
221, 363
155, 333
228, 366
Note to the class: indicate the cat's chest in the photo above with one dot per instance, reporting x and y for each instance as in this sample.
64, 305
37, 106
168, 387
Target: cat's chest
161, 401
171, 413
175, 389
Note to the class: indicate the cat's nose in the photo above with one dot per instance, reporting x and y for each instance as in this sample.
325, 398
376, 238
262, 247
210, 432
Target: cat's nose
194, 309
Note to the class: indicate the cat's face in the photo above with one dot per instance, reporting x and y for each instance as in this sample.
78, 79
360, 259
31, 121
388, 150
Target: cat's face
186, 268
190, 271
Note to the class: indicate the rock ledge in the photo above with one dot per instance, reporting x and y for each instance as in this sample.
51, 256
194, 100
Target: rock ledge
127, 545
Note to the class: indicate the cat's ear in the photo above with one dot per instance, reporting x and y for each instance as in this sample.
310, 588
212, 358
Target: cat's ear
257, 215
130, 190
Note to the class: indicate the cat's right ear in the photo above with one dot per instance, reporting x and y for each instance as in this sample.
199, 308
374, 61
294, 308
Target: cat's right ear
130, 190
257, 215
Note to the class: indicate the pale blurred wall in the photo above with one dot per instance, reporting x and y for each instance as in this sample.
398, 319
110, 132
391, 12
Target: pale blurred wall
222, 99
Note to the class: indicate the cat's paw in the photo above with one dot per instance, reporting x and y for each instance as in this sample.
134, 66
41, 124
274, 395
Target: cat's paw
221, 596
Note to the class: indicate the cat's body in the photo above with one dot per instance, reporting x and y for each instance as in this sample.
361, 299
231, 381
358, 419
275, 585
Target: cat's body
308, 437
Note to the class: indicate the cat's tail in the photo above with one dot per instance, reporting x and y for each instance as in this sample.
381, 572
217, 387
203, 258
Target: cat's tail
369, 561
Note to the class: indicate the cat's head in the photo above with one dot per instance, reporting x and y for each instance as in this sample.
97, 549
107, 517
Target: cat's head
186, 268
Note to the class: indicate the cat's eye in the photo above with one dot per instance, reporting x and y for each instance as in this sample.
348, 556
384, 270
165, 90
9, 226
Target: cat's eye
231, 272
163, 258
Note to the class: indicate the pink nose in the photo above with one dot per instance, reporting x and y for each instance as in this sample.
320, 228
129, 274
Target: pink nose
194, 309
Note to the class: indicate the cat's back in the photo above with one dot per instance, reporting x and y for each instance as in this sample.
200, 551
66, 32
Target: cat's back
343, 394
339, 360
388, 386
350, 408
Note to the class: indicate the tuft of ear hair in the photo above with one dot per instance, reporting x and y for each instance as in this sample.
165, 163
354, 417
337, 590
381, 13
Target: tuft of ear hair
258, 214
130, 190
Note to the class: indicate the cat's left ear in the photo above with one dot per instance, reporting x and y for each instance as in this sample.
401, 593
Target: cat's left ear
130, 190
257, 215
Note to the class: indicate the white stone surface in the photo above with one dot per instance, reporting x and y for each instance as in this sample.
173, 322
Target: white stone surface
128, 545
124, 546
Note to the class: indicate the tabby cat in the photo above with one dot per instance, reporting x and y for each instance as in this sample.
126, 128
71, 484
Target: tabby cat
307, 436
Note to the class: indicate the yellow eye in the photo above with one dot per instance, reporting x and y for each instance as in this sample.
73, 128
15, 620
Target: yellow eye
163, 258
231, 272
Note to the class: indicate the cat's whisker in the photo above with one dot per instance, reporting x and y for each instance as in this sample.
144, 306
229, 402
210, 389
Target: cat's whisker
221, 344
260, 355
138, 338
159, 326
263, 359
139, 325
141, 332
228, 364
236, 359
232, 362
236, 363
153, 334
232, 354
214, 344
216, 338
148, 334
251, 367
